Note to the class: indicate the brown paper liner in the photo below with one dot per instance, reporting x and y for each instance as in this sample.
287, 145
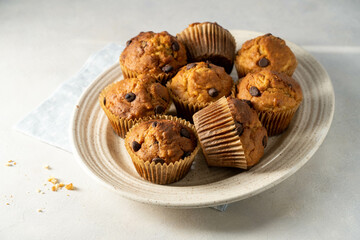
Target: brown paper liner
186, 110
162, 78
163, 173
121, 125
221, 145
276, 122
209, 41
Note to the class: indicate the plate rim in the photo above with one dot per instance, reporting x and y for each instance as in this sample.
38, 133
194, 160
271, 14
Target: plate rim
227, 200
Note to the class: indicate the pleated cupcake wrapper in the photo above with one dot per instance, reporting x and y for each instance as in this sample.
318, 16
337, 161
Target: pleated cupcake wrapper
162, 78
219, 140
208, 39
121, 125
185, 109
163, 173
276, 122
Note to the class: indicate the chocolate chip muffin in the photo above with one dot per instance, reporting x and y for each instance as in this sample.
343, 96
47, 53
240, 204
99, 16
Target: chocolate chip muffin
131, 100
265, 52
230, 134
157, 54
197, 85
275, 97
209, 41
162, 150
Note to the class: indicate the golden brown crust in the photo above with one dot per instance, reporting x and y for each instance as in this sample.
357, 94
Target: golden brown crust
193, 84
151, 52
148, 93
164, 139
277, 91
279, 56
253, 135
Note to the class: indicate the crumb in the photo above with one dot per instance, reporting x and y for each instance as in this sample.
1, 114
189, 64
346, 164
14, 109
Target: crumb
77, 106
68, 195
44, 184
47, 167
7, 203
39, 210
54, 188
8, 164
38, 190
10, 161
42, 192
14, 163
61, 185
69, 186
53, 180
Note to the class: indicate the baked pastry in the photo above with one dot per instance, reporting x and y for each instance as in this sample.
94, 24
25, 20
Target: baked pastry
230, 134
157, 54
265, 52
274, 96
209, 41
162, 150
134, 99
196, 85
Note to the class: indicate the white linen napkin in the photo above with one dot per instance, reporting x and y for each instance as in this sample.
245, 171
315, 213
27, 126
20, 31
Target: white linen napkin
50, 121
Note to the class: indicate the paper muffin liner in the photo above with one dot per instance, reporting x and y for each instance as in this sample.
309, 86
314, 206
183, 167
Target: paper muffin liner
208, 39
276, 122
217, 134
162, 78
186, 109
121, 125
163, 173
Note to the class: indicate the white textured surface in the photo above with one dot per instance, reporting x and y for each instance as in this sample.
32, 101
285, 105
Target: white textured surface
103, 153
43, 43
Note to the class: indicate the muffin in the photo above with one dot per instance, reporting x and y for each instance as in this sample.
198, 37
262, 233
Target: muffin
162, 149
265, 52
274, 96
209, 41
196, 85
134, 99
157, 54
230, 134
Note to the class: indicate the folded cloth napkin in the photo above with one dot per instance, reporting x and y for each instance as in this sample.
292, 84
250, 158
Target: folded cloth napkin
50, 121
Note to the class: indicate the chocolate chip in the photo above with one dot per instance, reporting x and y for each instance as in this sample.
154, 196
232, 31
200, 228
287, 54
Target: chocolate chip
130, 97
254, 91
190, 65
167, 68
264, 141
184, 133
154, 124
208, 63
263, 62
248, 102
104, 101
239, 128
158, 160
159, 109
268, 34
128, 42
135, 146
213, 92
175, 46
186, 154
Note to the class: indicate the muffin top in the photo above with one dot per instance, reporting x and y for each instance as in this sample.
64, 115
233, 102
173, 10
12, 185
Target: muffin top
265, 52
201, 82
161, 141
153, 53
136, 97
270, 91
252, 134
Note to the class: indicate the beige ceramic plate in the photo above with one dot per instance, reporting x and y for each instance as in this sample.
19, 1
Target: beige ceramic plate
102, 153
